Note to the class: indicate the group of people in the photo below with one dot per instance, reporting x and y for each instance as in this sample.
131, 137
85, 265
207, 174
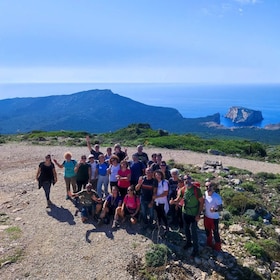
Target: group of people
141, 189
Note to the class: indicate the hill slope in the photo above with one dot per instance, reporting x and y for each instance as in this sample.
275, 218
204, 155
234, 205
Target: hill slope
94, 111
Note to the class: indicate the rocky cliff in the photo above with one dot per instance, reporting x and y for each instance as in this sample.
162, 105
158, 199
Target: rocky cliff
244, 116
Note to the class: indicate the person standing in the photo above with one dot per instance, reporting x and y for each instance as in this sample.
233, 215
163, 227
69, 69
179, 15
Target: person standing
102, 176
137, 169
160, 198
83, 171
113, 171
46, 176
146, 186
95, 150
193, 205
69, 173
123, 177
142, 156
93, 164
122, 155
213, 204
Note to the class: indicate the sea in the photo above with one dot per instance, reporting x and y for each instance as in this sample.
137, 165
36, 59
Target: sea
191, 100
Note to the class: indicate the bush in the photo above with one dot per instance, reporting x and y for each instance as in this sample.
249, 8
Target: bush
156, 256
255, 250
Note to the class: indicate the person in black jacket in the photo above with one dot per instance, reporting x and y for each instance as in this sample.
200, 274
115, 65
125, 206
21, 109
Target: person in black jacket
46, 176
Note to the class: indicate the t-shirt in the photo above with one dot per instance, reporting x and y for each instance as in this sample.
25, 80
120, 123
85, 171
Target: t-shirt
124, 183
69, 168
102, 168
114, 172
93, 166
212, 201
161, 188
121, 155
46, 172
86, 197
191, 203
147, 189
136, 169
113, 202
95, 154
131, 202
143, 157
173, 185
83, 172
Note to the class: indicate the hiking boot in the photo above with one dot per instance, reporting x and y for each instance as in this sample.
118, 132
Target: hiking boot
67, 197
99, 222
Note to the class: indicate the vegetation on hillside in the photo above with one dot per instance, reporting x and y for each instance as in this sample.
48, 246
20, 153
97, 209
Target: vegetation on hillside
144, 134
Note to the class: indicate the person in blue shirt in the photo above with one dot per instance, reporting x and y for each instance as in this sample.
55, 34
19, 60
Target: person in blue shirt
69, 165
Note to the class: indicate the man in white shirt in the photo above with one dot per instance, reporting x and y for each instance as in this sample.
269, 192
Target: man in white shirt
213, 204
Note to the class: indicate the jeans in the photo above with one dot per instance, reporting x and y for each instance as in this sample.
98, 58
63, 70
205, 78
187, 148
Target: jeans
47, 188
190, 226
102, 180
147, 211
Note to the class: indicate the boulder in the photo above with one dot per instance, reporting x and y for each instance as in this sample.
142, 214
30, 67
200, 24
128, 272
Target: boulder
244, 116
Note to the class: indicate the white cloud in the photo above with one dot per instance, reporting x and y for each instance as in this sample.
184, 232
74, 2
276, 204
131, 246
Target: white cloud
247, 2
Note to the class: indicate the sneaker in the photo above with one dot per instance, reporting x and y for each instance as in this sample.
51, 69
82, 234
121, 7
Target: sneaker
67, 197
115, 224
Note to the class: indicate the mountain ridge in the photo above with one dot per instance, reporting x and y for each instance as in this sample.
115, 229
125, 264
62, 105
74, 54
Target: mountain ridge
100, 111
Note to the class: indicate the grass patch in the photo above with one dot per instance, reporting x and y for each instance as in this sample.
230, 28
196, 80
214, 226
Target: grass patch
13, 232
16, 256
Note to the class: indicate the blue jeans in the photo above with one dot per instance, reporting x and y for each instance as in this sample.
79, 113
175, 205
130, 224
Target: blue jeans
147, 211
190, 226
47, 188
102, 180
86, 211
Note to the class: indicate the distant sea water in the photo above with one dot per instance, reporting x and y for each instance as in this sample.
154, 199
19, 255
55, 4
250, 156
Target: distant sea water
191, 100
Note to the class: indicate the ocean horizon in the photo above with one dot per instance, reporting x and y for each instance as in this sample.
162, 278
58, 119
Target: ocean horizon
191, 100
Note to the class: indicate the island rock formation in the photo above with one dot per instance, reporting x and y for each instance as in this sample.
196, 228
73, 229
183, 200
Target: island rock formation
244, 116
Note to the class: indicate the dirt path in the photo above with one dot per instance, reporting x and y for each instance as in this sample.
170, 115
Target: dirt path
56, 244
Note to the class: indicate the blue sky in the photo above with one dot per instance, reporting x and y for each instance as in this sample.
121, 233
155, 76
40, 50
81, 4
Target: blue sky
190, 41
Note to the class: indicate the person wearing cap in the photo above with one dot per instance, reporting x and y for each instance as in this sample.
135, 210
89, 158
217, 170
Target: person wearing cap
95, 150
69, 173
213, 204
91, 203
142, 156
193, 206
46, 176
93, 164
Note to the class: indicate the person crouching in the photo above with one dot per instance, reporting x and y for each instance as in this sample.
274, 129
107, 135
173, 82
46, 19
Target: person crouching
91, 203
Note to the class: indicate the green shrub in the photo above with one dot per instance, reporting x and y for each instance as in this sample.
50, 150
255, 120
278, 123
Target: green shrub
255, 250
156, 256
